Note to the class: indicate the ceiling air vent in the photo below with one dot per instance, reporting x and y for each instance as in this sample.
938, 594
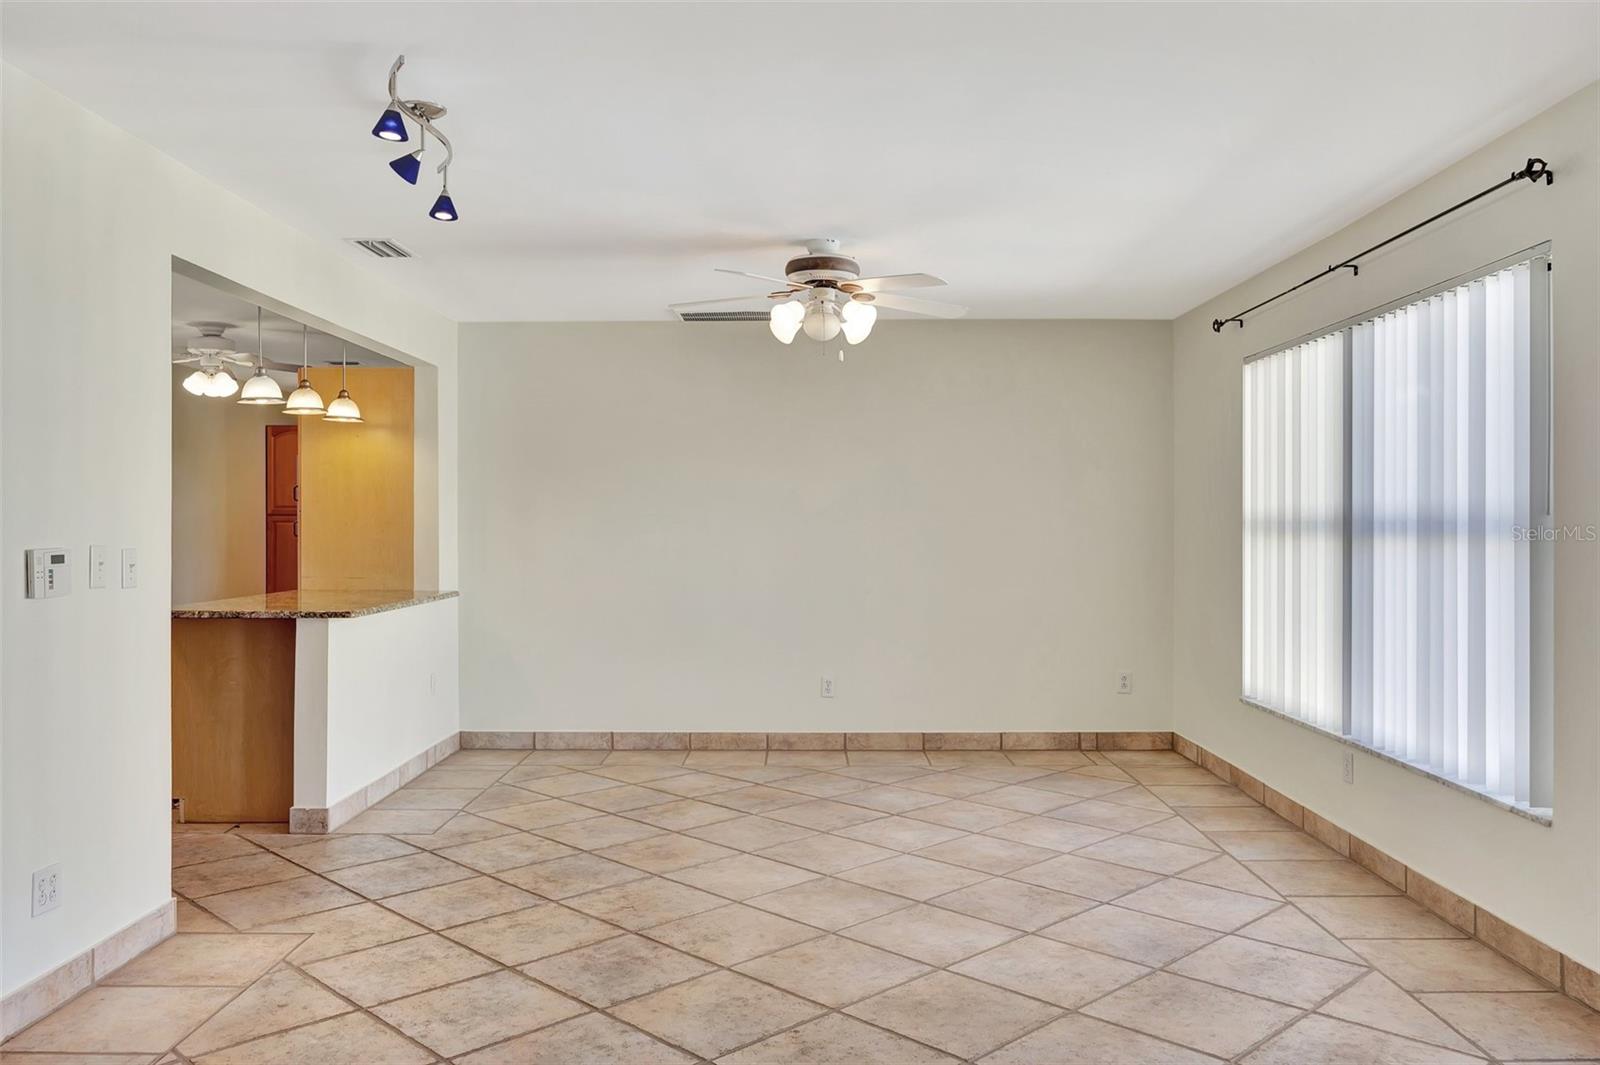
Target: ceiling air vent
382, 247
724, 316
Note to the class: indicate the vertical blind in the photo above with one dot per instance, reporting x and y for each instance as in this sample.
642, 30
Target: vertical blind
1395, 478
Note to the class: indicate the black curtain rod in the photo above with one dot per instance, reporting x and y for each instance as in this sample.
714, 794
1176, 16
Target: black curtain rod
1532, 171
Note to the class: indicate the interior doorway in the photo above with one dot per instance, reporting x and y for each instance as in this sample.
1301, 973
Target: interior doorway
283, 508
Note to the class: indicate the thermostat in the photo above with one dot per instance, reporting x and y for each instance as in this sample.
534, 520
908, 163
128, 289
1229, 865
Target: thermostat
49, 572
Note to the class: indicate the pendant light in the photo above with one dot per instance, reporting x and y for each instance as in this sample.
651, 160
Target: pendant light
261, 390
343, 408
305, 399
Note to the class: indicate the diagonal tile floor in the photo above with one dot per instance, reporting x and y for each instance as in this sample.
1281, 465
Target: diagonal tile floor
636, 907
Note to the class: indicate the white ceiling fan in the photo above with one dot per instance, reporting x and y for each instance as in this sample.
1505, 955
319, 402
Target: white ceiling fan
825, 294
212, 354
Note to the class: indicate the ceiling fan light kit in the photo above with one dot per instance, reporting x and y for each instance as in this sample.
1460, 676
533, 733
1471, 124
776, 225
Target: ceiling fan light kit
391, 126
826, 296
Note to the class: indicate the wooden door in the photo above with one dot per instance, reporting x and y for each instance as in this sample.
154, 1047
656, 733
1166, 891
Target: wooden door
283, 508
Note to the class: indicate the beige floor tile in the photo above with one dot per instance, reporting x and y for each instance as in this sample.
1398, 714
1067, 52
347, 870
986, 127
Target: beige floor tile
461, 902
1444, 965
395, 822
1235, 819
251, 907
284, 998
505, 852
1199, 904
1023, 906
683, 814
1057, 972
809, 759
543, 815
574, 757
1135, 796
750, 833
699, 759
714, 1014
1051, 759
352, 1037
891, 799
732, 934
1080, 1040
502, 796
1226, 872
192, 918
1325, 1041
1177, 830
338, 852
342, 931
646, 757
826, 853
1024, 799
930, 934
1085, 876
462, 828
1288, 927
623, 798
192, 848
966, 814
835, 1038
394, 876
474, 1013
230, 874
911, 758
1089, 782
484, 757
901, 833
1522, 1025
954, 1013
758, 799
526, 935
833, 971
1378, 1002
1268, 970
565, 784
825, 815
461, 777
565, 877
616, 969
119, 1020
698, 785
394, 970
1051, 833
1320, 878
592, 1039
1169, 774
1200, 795
986, 853
1376, 917
640, 774
597, 833
1212, 1019
666, 852
415, 798
644, 903
230, 960
952, 785
533, 771
913, 877
1151, 855
829, 903
742, 876
1274, 846
1101, 814
762, 774
1129, 934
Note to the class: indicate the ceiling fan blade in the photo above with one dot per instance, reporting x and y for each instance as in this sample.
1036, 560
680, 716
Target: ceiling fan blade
187, 360
759, 297
916, 306
761, 277
889, 282
287, 367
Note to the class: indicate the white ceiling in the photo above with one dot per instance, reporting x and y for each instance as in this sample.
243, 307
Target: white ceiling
1048, 160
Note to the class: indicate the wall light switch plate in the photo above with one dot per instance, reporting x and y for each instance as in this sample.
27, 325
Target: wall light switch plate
97, 565
827, 687
46, 889
1349, 767
130, 567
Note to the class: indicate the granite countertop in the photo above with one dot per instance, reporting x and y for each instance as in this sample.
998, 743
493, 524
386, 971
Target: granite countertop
302, 604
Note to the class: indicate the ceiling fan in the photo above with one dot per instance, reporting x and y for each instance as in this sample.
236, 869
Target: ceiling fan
212, 353
825, 295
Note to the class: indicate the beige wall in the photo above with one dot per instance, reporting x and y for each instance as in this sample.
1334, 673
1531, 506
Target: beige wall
1544, 880
219, 473
670, 526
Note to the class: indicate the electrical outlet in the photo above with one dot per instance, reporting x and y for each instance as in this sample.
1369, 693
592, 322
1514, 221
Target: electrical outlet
1349, 767
827, 687
46, 889
1124, 683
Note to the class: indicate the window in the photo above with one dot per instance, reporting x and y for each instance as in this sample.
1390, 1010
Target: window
1396, 531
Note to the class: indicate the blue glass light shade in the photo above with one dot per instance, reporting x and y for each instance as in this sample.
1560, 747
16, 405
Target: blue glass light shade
408, 167
443, 209
391, 127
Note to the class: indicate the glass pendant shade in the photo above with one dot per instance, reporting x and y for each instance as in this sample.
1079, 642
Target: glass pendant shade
443, 209
785, 319
408, 166
856, 320
261, 390
343, 409
221, 385
821, 322
391, 126
195, 384
304, 400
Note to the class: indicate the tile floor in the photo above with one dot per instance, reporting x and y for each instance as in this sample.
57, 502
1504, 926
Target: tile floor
639, 907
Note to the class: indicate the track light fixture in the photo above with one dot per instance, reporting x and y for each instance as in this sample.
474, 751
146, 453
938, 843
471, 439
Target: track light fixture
391, 126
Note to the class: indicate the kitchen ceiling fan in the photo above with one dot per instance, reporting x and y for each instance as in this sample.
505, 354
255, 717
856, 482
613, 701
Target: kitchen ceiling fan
825, 295
212, 354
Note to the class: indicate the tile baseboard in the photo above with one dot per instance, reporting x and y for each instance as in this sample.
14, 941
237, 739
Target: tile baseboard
1544, 962
48, 993
817, 741
315, 820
